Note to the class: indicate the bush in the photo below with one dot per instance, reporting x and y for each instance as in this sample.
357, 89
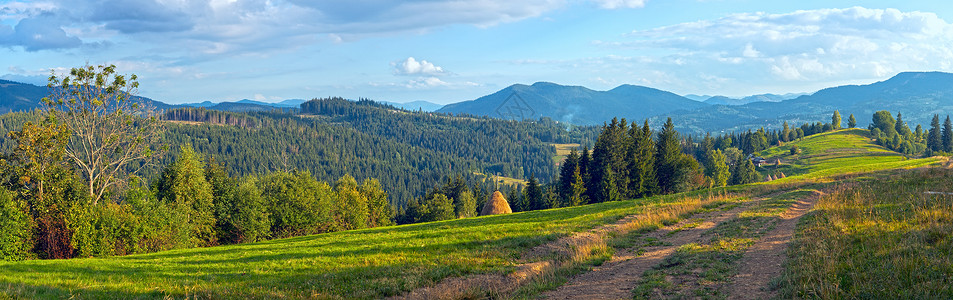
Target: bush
248, 215
297, 204
15, 228
795, 150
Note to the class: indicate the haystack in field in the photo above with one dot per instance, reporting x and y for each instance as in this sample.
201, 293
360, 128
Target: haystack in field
497, 205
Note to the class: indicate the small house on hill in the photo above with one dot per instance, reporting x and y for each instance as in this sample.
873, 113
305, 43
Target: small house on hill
497, 205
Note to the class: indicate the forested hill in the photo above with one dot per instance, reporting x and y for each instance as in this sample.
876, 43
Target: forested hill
574, 104
409, 152
917, 95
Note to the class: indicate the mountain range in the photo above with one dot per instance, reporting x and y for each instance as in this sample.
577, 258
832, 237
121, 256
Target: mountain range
917, 95
573, 104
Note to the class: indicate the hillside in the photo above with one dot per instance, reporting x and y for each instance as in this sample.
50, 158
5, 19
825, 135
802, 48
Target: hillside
917, 95
697, 238
16, 96
573, 104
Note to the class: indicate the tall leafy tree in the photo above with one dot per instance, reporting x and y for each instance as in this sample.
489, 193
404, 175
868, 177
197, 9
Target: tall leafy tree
885, 122
717, 168
184, 185
111, 132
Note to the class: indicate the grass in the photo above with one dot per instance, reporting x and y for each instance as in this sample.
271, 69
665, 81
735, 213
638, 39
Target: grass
846, 151
562, 150
877, 239
370, 263
869, 235
704, 270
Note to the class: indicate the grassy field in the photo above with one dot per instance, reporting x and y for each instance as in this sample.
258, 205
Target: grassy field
562, 150
878, 239
871, 233
846, 151
368, 263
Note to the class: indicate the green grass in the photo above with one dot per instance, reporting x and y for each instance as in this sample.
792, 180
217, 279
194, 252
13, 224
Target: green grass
705, 270
846, 151
879, 239
381, 262
368, 263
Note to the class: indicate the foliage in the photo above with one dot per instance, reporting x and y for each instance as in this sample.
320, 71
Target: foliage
15, 225
717, 168
184, 186
110, 131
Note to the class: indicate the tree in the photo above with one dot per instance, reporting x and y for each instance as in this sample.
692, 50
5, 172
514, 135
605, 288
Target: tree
885, 122
351, 208
379, 210
901, 127
110, 130
566, 174
851, 121
835, 120
642, 168
534, 194
947, 135
577, 195
744, 172
38, 154
183, 185
934, 139
667, 156
437, 208
717, 168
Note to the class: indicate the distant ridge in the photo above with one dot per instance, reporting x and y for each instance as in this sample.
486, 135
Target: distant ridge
917, 95
573, 104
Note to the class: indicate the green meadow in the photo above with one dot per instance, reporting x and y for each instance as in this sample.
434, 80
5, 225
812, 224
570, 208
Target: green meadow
872, 228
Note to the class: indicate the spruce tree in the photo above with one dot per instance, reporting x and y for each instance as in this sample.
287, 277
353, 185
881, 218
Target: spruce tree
567, 174
577, 195
835, 120
851, 121
642, 168
668, 153
534, 195
947, 135
934, 139
901, 127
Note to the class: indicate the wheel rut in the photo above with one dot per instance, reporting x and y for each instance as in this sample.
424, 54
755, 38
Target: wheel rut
764, 260
616, 278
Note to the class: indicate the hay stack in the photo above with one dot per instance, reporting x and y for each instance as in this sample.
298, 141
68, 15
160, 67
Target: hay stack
497, 205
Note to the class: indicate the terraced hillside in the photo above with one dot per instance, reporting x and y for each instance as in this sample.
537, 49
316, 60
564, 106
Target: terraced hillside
722, 243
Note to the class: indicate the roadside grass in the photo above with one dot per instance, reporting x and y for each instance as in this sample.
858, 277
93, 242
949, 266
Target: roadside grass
876, 239
704, 270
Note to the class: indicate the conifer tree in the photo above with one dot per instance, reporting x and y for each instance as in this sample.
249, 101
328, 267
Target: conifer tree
934, 139
567, 174
835, 120
852, 122
577, 195
947, 135
901, 127
642, 170
668, 153
534, 195
183, 185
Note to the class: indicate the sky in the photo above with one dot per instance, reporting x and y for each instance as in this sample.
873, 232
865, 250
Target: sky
455, 50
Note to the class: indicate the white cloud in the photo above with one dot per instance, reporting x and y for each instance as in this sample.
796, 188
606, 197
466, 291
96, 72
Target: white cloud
411, 66
614, 4
808, 45
428, 82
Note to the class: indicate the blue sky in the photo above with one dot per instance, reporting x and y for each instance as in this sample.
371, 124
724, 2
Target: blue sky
449, 51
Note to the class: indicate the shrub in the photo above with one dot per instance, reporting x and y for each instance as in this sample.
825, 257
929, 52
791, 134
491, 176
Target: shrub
15, 228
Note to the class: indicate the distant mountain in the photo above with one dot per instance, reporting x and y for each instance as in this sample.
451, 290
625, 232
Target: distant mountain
697, 97
722, 100
574, 104
16, 96
917, 95
414, 105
